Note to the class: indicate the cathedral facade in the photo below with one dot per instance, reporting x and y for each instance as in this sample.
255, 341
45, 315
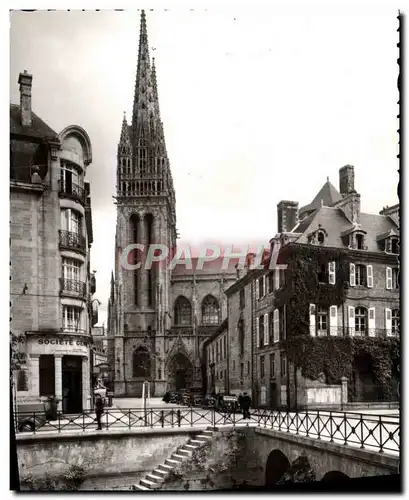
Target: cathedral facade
158, 316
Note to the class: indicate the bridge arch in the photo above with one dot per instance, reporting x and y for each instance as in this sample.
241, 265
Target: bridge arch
334, 476
277, 465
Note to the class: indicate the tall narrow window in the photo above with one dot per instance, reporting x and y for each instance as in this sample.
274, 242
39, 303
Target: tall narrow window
361, 321
149, 241
322, 321
134, 223
71, 318
47, 375
360, 241
240, 328
272, 365
261, 330
262, 367
360, 275
210, 311
70, 221
183, 312
283, 365
395, 322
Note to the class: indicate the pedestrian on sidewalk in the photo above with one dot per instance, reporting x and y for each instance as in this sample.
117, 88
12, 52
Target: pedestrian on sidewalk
245, 404
99, 410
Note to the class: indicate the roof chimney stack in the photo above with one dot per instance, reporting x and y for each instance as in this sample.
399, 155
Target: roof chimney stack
287, 216
346, 180
25, 81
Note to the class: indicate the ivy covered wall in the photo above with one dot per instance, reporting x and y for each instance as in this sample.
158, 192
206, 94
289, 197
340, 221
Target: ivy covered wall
332, 356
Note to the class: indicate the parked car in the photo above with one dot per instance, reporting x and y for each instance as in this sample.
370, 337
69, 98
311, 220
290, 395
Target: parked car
208, 401
228, 403
172, 397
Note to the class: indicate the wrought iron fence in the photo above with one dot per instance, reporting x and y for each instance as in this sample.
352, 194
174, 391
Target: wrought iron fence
72, 240
352, 332
72, 191
73, 286
366, 431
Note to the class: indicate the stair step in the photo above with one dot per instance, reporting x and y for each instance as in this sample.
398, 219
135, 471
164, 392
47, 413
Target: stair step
141, 487
205, 436
175, 456
191, 447
149, 484
153, 477
197, 441
165, 467
161, 473
185, 452
170, 461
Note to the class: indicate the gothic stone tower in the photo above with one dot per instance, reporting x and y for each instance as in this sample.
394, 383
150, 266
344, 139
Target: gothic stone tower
139, 305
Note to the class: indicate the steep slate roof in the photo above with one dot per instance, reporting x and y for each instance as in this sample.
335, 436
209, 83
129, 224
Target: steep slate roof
38, 128
328, 194
335, 222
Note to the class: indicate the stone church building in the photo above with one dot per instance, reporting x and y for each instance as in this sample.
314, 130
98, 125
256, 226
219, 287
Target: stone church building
159, 318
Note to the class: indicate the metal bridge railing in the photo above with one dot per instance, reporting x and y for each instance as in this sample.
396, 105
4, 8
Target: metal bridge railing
366, 431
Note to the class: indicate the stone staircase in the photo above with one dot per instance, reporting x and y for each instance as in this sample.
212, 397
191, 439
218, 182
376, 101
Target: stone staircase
158, 476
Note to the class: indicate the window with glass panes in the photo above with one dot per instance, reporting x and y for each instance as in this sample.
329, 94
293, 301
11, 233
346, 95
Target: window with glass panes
71, 318
70, 220
395, 321
360, 320
360, 274
71, 269
322, 321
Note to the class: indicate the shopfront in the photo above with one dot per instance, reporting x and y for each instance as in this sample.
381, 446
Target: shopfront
58, 366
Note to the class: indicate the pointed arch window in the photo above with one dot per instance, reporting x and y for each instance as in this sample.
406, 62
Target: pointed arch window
141, 363
210, 311
183, 311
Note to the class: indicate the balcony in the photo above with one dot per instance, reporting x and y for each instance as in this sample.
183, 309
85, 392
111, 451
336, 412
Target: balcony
352, 332
72, 191
72, 288
72, 241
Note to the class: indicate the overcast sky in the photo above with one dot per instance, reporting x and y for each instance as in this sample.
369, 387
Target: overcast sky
258, 105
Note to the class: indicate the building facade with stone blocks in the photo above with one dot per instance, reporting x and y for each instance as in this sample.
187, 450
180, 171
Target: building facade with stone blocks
50, 238
216, 357
240, 304
369, 245
159, 315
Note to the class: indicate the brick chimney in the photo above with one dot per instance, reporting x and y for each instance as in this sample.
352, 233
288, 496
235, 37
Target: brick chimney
25, 81
287, 216
346, 180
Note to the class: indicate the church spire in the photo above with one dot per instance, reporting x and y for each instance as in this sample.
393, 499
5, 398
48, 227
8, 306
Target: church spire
112, 296
124, 146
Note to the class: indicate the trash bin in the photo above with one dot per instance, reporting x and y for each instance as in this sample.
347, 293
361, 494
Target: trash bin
52, 409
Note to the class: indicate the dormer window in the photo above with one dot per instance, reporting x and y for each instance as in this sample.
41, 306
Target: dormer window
393, 245
321, 237
360, 241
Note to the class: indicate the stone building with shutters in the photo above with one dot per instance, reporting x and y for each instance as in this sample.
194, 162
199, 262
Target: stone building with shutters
369, 274
158, 318
51, 284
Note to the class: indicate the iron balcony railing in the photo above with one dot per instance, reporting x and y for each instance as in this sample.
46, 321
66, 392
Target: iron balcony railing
365, 431
342, 332
72, 240
356, 332
73, 287
72, 191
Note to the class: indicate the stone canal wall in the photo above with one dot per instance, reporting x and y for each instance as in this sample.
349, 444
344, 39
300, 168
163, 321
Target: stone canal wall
108, 459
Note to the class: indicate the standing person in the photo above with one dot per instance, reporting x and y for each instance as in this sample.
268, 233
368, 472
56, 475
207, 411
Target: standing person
240, 402
246, 403
99, 410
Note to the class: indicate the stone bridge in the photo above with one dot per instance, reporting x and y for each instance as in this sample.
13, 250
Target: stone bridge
270, 454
